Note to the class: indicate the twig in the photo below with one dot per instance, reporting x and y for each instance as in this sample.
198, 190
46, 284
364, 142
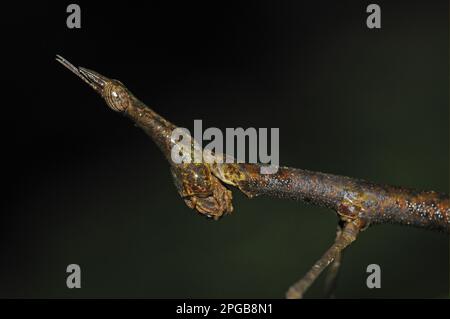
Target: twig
358, 203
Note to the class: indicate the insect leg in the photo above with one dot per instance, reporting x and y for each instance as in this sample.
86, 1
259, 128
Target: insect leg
347, 236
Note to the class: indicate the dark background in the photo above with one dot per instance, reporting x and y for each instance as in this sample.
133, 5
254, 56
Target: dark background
82, 185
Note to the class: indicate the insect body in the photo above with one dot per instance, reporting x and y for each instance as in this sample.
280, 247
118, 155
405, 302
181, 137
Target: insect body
358, 203
196, 183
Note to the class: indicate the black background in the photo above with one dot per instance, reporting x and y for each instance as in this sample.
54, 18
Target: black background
82, 185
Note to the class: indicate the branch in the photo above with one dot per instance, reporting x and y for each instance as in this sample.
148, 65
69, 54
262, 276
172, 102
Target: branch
358, 204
